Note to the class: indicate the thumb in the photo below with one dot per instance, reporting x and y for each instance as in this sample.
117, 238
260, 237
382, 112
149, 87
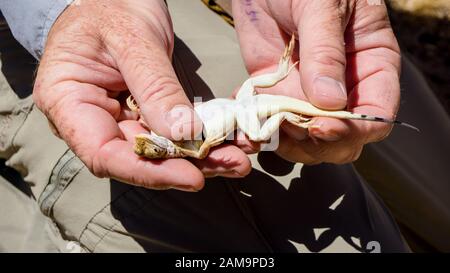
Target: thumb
151, 79
322, 53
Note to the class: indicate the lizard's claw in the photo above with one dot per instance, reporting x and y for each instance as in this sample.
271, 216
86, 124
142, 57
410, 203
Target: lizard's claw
132, 104
289, 49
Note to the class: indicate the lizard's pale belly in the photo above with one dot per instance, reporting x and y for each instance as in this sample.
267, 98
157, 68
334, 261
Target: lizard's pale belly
218, 117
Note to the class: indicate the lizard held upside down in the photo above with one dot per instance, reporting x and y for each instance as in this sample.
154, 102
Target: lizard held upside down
222, 116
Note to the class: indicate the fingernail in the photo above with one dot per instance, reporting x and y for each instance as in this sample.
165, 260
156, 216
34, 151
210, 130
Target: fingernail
184, 123
329, 87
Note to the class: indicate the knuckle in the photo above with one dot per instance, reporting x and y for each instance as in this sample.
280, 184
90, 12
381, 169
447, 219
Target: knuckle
338, 6
329, 56
122, 37
157, 88
339, 9
134, 38
54, 108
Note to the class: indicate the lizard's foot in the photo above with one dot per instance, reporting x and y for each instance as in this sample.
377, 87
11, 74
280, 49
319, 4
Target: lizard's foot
300, 121
292, 67
283, 66
132, 104
288, 50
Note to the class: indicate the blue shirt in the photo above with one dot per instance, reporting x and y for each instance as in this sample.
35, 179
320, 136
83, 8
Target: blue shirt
31, 20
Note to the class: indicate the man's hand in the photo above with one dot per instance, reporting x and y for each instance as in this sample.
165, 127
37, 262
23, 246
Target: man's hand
349, 57
95, 53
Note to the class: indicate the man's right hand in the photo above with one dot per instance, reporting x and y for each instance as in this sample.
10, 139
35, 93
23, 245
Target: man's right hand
97, 51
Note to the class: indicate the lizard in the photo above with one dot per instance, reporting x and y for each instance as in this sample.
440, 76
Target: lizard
222, 116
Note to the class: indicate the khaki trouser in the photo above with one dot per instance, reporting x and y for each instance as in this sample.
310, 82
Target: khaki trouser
280, 206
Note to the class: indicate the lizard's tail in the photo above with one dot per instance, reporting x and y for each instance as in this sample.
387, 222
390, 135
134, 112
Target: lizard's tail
378, 119
289, 104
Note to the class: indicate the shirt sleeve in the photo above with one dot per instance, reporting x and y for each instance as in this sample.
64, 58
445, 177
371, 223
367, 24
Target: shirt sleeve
31, 20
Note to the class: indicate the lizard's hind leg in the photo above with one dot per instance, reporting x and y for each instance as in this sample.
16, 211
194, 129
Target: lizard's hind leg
273, 123
300, 121
270, 79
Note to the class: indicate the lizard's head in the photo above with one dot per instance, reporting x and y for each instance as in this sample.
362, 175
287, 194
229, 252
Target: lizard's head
152, 146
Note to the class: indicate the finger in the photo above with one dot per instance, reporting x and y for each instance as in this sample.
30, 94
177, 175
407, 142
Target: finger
261, 44
86, 69
116, 159
321, 28
261, 48
291, 149
375, 62
367, 98
294, 131
330, 129
245, 144
131, 128
146, 67
226, 160
314, 151
83, 116
126, 114
340, 152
